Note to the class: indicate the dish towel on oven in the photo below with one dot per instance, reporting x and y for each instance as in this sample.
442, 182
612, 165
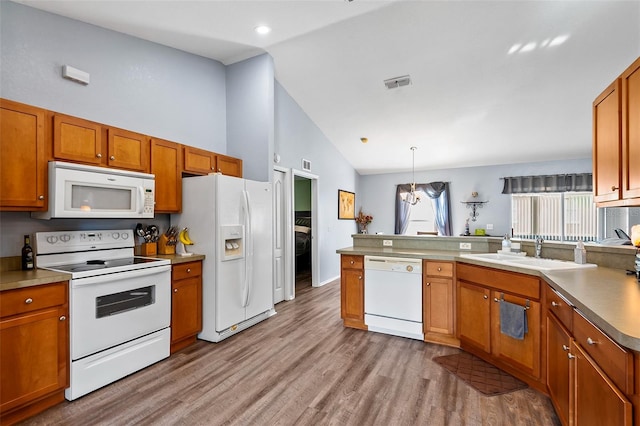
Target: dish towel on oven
513, 320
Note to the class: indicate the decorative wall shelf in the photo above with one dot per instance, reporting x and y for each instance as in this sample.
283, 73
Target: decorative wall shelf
474, 206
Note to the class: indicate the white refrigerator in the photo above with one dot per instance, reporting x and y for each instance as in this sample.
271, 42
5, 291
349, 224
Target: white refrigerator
230, 222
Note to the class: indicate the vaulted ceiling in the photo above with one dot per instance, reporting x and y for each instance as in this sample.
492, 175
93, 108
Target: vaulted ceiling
492, 82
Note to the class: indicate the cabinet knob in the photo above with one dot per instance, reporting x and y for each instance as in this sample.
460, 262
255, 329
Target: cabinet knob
112, 158
360, 277
485, 296
351, 262
98, 155
213, 168
427, 284
188, 270
570, 355
555, 304
614, 188
28, 301
565, 348
41, 197
439, 269
590, 341
175, 290
63, 318
495, 299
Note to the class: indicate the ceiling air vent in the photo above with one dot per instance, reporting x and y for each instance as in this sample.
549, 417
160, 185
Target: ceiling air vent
306, 164
392, 83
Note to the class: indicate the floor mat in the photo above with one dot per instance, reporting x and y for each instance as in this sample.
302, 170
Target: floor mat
480, 375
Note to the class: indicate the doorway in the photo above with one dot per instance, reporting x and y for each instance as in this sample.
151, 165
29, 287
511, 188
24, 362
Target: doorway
289, 259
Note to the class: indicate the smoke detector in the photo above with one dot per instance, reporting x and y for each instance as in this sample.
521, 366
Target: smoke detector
394, 82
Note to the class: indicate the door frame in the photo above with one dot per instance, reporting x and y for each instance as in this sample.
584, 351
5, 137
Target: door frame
288, 243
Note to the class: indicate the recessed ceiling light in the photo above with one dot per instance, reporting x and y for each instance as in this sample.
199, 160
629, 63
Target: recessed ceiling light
364, 140
263, 29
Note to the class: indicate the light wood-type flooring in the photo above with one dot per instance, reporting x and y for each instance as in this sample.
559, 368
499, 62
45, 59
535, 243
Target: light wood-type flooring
301, 367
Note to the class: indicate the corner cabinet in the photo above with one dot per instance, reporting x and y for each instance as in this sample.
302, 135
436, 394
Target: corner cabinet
480, 290
616, 141
23, 157
352, 291
34, 350
438, 302
186, 304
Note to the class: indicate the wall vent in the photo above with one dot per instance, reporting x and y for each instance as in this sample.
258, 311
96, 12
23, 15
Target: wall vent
395, 82
306, 164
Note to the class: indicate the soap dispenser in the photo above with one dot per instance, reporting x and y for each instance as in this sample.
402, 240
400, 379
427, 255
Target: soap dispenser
506, 243
580, 253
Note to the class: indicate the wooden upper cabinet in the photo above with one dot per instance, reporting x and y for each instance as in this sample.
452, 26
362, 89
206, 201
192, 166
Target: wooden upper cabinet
202, 162
77, 140
606, 144
229, 166
23, 157
166, 165
198, 161
128, 150
630, 81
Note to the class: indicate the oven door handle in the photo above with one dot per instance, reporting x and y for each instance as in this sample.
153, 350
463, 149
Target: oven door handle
144, 272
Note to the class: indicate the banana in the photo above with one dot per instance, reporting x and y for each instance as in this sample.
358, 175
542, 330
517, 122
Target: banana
184, 237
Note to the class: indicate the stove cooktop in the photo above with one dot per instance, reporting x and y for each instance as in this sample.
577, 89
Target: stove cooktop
98, 264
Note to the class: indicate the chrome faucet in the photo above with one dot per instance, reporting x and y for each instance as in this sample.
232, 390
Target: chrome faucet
539, 242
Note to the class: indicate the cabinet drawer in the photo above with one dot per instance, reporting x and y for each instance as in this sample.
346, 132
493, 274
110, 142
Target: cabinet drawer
439, 269
562, 309
510, 282
186, 270
614, 360
352, 261
13, 302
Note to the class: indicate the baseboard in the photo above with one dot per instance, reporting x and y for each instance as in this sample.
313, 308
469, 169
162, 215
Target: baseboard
327, 281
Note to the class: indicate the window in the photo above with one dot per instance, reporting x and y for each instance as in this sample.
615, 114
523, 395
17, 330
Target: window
422, 217
562, 216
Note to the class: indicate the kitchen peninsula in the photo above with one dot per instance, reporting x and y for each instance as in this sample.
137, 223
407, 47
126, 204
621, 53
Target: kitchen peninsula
582, 320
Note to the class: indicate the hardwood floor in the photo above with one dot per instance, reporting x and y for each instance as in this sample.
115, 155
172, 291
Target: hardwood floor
303, 367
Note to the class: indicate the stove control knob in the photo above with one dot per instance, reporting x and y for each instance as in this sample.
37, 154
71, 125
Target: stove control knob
65, 237
125, 236
116, 235
52, 239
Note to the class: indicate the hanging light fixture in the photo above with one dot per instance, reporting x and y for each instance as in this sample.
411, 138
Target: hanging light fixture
412, 197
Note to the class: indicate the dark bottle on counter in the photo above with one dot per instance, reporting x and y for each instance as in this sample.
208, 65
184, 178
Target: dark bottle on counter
27, 255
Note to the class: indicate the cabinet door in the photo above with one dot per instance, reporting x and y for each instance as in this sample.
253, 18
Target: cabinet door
558, 365
34, 355
198, 161
597, 400
186, 308
522, 354
474, 308
166, 165
352, 297
23, 162
606, 144
128, 150
437, 305
229, 166
631, 132
77, 140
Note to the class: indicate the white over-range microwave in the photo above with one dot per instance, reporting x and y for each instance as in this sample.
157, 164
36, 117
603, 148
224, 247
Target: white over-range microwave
80, 191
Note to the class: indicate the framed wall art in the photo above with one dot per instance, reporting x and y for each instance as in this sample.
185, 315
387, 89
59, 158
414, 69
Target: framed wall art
346, 205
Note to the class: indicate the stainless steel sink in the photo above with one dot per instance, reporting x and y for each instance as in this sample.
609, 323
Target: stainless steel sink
528, 262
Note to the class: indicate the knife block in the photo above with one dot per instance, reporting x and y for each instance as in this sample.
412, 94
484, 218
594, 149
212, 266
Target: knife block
164, 247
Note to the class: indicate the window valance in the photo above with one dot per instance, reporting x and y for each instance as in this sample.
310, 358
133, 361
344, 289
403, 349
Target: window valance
574, 182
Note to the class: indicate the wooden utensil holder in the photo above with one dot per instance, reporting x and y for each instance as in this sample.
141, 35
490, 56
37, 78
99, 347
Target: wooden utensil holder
146, 249
164, 247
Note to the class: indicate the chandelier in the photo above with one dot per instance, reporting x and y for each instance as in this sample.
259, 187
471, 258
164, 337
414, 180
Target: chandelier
412, 197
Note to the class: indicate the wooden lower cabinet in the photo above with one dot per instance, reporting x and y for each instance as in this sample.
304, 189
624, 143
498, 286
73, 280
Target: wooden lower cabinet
352, 291
186, 304
34, 350
438, 303
558, 367
480, 291
597, 399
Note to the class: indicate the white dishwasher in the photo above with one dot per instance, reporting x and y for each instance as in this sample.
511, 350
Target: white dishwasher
393, 296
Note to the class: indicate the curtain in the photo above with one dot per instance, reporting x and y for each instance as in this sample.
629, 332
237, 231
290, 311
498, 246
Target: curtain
438, 192
575, 182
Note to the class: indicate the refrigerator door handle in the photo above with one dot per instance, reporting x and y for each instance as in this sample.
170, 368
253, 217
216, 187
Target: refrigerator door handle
248, 239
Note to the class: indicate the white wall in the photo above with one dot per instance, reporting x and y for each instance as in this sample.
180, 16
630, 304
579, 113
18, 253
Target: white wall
135, 84
297, 137
377, 192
